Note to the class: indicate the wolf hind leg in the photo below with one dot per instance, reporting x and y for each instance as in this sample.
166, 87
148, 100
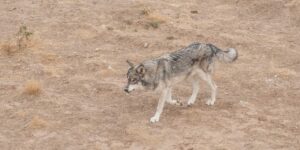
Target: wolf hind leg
208, 79
170, 100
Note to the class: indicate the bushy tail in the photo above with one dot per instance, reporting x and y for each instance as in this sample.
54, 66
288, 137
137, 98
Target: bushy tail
228, 56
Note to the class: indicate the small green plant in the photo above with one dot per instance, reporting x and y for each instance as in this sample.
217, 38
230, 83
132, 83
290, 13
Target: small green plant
23, 32
23, 37
19, 42
154, 25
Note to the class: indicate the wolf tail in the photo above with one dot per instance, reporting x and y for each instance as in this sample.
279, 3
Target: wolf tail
228, 56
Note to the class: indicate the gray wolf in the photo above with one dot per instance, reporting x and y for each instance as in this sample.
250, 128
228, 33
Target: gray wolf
192, 63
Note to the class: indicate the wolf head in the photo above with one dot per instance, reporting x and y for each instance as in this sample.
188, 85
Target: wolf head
135, 75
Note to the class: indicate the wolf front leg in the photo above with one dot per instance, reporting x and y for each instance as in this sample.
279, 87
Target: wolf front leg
160, 105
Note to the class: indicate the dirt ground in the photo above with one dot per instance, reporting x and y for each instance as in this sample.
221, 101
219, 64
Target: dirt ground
64, 89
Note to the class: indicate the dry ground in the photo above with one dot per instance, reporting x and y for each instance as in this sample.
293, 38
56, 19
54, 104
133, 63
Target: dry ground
64, 90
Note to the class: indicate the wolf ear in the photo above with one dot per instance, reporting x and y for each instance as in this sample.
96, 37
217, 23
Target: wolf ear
130, 63
141, 70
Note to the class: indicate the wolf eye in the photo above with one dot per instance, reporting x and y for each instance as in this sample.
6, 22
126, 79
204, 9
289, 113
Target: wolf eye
134, 80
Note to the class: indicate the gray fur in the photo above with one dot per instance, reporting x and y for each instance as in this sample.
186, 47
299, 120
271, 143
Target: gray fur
192, 62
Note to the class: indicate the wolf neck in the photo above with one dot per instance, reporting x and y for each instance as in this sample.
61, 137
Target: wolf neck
148, 81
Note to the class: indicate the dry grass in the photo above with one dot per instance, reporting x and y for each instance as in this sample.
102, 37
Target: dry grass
8, 48
155, 17
37, 123
32, 87
284, 72
48, 57
107, 71
53, 71
21, 113
22, 41
152, 19
146, 11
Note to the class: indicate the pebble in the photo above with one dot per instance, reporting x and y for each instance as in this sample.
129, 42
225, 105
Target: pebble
146, 45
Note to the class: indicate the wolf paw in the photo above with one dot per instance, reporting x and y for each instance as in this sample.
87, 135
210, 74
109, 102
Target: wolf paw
210, 102
175, 102
190, 103
154, 119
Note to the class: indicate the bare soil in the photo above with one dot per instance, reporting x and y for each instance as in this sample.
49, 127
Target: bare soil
64, 89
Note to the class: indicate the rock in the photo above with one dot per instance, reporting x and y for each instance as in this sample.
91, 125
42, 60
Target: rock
146, 45
194, 12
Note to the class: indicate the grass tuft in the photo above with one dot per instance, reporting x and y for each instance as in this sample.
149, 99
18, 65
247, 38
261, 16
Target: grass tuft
37, 123
32, 87
22, 42
23, 37
145, 11
152, 19
8, 48
155, 20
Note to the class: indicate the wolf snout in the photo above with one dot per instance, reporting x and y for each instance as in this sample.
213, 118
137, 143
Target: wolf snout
126, 90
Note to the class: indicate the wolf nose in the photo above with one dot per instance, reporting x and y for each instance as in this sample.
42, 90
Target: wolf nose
126, 90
